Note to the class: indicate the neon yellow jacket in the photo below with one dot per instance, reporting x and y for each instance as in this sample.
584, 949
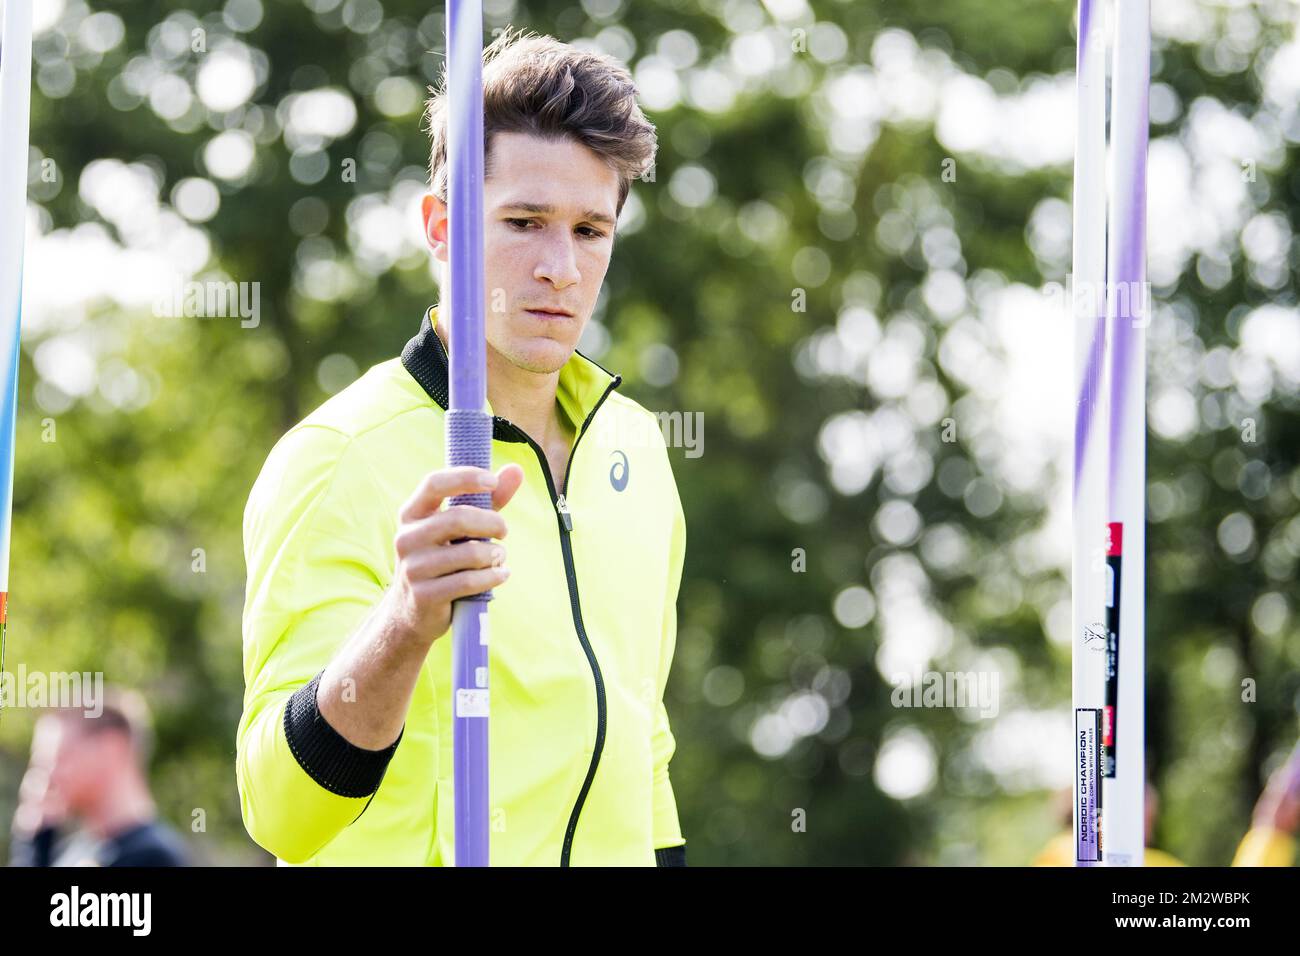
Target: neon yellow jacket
582, 635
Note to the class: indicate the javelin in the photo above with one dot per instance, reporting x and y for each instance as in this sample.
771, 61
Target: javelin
1088, 281
1127, 315
15, 102
1110, 313
469, 427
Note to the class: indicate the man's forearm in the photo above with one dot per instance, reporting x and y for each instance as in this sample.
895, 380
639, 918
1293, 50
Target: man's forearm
366, 690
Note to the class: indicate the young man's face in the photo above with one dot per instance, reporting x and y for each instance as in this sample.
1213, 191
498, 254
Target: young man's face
78, 763
549, 213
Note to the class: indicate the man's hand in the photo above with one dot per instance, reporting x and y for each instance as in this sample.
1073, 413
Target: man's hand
40, 805
431, 570
365, 691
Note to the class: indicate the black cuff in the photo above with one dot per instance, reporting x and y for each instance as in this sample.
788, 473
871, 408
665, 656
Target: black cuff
327, 756
671, 856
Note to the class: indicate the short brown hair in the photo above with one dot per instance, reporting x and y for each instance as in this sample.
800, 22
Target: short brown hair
536, 84
121, 711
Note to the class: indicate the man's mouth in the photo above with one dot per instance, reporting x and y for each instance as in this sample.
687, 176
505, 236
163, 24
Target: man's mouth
550, 313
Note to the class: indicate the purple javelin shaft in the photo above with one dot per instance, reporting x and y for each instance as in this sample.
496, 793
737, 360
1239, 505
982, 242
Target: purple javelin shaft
1128, 298
1090, 387
1089, 327
469, 426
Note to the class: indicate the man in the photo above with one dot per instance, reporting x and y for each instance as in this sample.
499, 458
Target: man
1270, 841
345, 746
90, 768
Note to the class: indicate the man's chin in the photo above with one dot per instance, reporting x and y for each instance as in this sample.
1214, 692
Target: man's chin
538, 354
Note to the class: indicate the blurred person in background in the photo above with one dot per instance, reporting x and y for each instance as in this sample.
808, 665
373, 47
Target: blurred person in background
1060, 849
85, 799
1271, 839
1269, 842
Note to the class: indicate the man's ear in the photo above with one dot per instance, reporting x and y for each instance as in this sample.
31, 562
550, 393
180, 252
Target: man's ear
434, 212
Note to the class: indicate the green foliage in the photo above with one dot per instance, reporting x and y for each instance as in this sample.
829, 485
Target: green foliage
132, 475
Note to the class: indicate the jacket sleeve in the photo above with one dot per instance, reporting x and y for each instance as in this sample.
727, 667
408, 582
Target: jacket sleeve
317, 562
667, 829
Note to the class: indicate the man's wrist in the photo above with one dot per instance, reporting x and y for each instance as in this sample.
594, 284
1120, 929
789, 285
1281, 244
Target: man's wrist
329, 758
398, 630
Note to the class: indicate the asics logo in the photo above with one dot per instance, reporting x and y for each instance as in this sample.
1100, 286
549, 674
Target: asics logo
618, 472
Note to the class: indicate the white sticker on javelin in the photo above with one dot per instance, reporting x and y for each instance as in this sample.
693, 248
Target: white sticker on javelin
471, 702
480, 677
483, 628
1088, 836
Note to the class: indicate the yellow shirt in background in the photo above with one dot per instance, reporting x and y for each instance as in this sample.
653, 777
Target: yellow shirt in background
1262, 846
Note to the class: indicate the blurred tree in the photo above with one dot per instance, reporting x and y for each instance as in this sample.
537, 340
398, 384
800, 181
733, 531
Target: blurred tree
855, 209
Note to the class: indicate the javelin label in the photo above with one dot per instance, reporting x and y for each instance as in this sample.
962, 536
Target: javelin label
1110, 714
1087, 786
471, 702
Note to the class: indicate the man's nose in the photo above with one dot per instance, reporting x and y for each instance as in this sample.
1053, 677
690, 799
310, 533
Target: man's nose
559, 263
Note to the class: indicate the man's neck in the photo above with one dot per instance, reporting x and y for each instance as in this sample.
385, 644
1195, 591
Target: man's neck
526, 399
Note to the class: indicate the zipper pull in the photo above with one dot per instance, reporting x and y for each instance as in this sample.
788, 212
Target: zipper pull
563, 508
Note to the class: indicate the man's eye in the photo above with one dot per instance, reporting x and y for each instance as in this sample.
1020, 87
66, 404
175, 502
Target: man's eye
592, 233
519, 222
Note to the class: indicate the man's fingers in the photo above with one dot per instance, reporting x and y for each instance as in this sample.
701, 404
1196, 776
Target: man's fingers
440, 485
449, 587
509, 480
452, 524
468, 555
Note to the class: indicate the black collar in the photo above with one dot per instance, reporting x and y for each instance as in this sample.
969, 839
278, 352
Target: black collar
425, 358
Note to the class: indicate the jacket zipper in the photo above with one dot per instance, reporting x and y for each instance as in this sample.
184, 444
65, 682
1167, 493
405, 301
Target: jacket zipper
565, 519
